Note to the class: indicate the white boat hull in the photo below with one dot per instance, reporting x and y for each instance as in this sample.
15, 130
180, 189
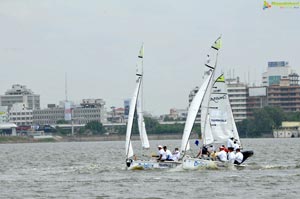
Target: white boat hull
196, 163
148, 164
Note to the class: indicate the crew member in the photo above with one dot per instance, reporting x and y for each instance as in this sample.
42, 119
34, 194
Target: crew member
238, 157
222, 155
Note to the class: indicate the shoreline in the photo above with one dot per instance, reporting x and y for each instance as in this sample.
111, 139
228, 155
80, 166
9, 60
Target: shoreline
26, 139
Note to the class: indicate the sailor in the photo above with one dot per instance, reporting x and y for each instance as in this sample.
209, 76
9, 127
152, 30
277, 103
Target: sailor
235, 145
210, 149
222, 155
176, 154
225, 149
202, 152
231, 155
161, 153
168, 154
238, 157
230, 142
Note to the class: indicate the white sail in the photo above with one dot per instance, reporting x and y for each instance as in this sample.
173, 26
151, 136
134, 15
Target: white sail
141, 125
139, 106
206, 130
231, 122
198, 99
218, 111
192, 113
133, 101
221, 117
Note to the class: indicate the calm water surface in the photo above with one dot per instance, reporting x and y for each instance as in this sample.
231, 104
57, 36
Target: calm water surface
97, 170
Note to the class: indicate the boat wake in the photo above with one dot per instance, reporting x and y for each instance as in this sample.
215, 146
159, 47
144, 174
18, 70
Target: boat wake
271, 167
238, 167
96, 168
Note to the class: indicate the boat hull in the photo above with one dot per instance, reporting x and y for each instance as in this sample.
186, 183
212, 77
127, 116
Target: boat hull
148, 165
196, 163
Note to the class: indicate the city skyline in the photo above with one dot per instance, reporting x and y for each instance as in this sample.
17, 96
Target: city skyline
97, 45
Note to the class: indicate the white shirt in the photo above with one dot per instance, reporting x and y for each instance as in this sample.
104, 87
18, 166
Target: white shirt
176, 155
229, 143
222, 155
163, 154
239, 157
235, 146
231, 157
168, 154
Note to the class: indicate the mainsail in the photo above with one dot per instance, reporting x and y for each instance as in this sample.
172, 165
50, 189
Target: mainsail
192, 113
198, 99
136, 104
133, 101
139, 107
141, 125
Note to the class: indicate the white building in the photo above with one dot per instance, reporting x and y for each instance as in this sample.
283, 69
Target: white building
20, 94
276, 71
20, 115
8, 129
89, 110
237, 93
178, 114
287, 130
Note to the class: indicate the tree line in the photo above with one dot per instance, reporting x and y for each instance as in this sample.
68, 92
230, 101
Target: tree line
264, 121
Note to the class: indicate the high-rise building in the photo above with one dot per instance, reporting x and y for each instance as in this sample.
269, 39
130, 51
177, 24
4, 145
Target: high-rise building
20, 94
283, 86
237, 93
284, 96
257, 99
276, 71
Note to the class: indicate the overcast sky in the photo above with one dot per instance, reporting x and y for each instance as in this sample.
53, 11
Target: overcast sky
97, 42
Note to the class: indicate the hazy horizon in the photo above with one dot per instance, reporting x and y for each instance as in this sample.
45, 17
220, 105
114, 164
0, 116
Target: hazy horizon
97, 42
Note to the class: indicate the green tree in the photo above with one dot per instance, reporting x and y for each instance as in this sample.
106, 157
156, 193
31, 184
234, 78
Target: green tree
96, 127
62, 122
151, 125
276, 114
167, 118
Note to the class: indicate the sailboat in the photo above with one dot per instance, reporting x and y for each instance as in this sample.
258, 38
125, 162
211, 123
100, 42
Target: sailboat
132, 162
217, 122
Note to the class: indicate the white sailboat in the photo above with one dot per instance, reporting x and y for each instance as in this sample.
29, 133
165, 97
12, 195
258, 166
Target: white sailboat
217, 123
136, 104
197, 102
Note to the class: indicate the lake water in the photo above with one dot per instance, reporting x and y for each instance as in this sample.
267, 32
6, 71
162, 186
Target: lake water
97, 170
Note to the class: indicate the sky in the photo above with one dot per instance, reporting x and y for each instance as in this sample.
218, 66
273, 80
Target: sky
96, 42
